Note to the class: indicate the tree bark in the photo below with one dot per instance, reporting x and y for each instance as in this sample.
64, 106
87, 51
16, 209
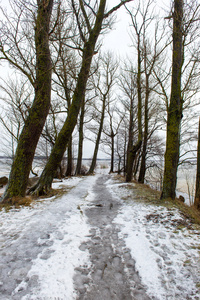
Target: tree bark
145, 137
132, 149
136, 164
69, 158
119, 165
197, 192
35, 121
80, 144
131, 159
112, 152
46, 178
175, 107
143, 161
129, 163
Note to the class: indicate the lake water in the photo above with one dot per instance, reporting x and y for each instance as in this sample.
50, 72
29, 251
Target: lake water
185, 183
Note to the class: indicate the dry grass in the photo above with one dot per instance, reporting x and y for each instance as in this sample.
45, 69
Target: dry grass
143, 193
18, 202
188, 211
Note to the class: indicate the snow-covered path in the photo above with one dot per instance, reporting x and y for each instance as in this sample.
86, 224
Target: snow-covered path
92, 244
112, 274
40, 246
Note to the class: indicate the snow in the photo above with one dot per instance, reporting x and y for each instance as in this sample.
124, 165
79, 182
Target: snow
167, 258
166, 253
64, 257
63, 233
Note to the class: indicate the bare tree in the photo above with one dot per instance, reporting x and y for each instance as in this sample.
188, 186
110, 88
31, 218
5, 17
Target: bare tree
66, 66
111, 129
151, 53
175, 107
139, 19
94, 28
128, 85
39, 110
15, 104
85, 117
104, 80
185, 31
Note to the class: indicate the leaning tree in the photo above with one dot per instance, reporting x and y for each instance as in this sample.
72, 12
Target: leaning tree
38, 112
83, 12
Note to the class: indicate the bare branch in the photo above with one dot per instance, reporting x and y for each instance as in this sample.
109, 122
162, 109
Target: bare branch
78, 22
116, 7
85, 15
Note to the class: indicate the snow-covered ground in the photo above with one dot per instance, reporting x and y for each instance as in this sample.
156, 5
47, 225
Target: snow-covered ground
167, 254
58, 228
165, 250
185, 182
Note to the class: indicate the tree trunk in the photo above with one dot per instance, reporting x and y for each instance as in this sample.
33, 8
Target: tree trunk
136, 164
197, 192
125, 155
145, 138
35, 121
69, 158
131, 159
175, 108
129, 163
46, 178
119, 165
131, 153
143, 163
112, 152
94, 159
80, 144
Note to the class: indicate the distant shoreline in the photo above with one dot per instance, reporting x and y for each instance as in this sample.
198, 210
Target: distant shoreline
45, 158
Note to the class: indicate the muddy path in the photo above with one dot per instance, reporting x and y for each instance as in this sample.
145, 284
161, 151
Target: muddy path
112, 274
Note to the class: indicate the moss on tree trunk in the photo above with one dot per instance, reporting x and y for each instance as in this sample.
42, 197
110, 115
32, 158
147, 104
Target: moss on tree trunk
35, 121
175, 108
